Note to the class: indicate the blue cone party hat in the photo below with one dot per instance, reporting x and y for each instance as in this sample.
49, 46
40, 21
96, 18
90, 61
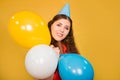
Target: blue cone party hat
65, 10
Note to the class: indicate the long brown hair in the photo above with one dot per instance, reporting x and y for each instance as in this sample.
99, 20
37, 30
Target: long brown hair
69, 40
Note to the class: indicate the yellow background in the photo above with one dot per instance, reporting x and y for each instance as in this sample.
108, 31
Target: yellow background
96, 25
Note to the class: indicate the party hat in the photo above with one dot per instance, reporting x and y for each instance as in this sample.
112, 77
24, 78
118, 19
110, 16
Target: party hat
65, 10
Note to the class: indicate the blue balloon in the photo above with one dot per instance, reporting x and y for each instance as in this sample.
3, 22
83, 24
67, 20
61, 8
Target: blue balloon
73, 66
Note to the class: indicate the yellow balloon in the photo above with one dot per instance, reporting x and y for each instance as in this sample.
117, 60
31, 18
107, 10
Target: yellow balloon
28, 29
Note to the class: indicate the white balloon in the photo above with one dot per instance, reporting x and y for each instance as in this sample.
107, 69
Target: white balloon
41, 61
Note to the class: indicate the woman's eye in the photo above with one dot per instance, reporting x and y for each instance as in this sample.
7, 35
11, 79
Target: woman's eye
66, 28
58, 25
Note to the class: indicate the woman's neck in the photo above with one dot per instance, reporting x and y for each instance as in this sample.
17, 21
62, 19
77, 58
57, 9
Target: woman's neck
60, 46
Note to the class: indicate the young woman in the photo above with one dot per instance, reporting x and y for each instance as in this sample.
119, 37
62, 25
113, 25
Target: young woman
62, 37
62, 40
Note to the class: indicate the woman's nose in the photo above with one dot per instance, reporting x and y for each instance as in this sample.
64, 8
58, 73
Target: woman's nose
62, 29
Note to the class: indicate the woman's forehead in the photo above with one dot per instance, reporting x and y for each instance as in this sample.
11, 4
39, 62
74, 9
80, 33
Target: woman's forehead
63, 21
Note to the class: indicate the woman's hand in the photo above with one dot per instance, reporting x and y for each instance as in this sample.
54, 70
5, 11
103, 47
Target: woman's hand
56, 49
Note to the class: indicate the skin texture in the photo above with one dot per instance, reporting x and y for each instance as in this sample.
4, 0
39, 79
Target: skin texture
60, 29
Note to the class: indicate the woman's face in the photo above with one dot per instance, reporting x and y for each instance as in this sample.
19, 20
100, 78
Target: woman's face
60, 29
